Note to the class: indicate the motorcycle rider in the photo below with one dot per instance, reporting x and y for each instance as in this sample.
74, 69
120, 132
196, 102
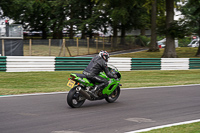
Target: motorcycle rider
97, 65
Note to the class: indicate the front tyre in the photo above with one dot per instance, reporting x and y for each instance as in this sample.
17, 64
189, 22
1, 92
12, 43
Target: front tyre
113, 96
74, 98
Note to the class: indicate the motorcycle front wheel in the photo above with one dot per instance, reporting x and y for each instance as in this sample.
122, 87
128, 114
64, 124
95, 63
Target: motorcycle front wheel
113, 96
74, 98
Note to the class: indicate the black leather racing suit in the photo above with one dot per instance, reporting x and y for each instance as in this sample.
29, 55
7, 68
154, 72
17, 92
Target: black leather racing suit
97, 65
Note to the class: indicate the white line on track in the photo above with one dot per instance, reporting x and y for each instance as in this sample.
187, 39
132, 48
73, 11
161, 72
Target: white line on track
163, 126
51, 93
33, 94
160, 87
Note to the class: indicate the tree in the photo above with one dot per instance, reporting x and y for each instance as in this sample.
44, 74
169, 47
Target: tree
87, 16
191, 11
170, 51
32, 12
73, 8
153, 44
57, 17
125, 16
39, 15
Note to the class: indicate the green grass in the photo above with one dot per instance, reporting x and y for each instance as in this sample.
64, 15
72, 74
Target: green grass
186, 128
34, 82
182, 52
159, 78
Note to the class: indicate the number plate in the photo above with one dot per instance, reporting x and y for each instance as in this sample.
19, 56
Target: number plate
71, 83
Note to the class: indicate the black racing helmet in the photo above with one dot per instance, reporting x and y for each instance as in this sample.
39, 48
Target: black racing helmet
104, 55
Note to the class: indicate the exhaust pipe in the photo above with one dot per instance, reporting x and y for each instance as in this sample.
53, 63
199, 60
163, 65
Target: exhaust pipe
84, 93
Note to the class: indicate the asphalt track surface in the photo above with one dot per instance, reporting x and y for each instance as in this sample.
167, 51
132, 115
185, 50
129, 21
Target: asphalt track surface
135, 109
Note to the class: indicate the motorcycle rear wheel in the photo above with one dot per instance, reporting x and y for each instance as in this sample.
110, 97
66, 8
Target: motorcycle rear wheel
113, 96
74, 98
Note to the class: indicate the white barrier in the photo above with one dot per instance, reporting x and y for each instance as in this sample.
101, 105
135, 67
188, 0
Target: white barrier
174, 63
29, 63
122, 64
43, 63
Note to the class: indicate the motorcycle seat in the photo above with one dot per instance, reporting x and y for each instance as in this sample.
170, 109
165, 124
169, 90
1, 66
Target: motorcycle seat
80, 75
83, 76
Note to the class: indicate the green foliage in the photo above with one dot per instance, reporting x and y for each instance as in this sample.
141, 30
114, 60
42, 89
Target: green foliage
130, 39
160, 37
87, 16
140, 40
183, 42
39, 15
145, 39
178, 29
191, 11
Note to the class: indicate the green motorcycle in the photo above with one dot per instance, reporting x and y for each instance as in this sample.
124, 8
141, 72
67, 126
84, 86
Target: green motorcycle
81, 88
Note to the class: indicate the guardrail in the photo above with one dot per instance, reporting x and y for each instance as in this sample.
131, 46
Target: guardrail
29, 63
122, 64
174, 63
2, 63
80, 63
194, 63
43, 63
145, 64
71, 63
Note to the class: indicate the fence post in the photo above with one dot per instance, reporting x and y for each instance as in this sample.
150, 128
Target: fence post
3, 48
49, 47
64, 47
96, 45
30, 44
88, 45
68, 50
77, 46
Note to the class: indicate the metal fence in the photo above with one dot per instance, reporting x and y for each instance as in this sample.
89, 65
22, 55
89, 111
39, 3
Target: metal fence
75, 47
65, 47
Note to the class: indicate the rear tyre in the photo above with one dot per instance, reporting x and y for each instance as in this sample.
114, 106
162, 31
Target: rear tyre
113, 96
74, 98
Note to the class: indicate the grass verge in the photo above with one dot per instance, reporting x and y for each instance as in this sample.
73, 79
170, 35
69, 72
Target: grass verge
186, 128
182, 52
36, 82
